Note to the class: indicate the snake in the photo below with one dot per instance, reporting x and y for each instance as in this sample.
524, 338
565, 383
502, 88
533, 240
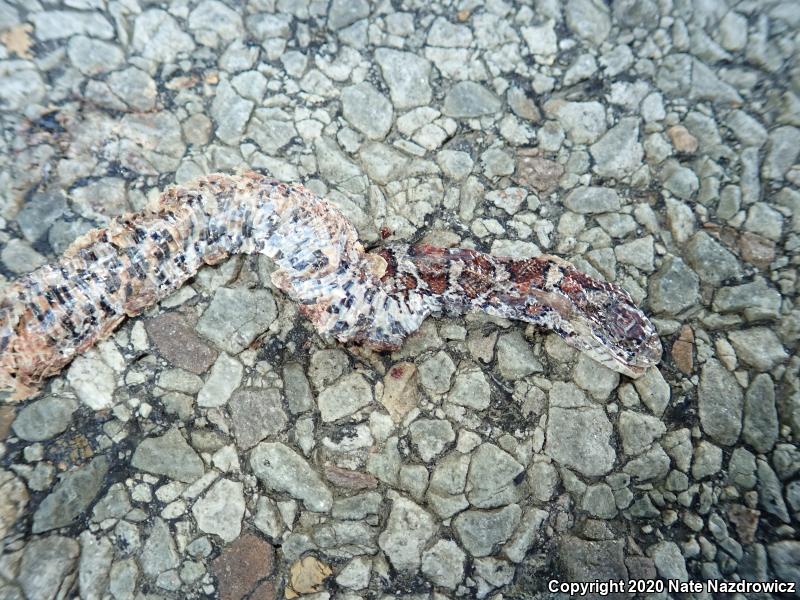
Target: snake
374, 298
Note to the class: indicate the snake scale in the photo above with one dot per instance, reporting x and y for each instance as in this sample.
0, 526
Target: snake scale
372, 298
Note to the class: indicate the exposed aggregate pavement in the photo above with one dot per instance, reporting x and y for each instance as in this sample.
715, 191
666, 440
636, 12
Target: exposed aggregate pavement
216, 447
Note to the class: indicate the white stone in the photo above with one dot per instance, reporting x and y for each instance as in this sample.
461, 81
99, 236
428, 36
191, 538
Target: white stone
542, 40
221, 509
225, 377
93, 380
407, 532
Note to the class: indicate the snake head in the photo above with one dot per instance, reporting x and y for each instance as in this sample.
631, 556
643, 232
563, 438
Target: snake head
607, 325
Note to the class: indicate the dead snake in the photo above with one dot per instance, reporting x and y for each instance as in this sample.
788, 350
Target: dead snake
372, 298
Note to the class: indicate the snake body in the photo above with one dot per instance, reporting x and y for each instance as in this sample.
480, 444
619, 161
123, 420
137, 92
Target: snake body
372, 298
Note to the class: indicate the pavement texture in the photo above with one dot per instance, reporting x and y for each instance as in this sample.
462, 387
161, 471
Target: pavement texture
216, 447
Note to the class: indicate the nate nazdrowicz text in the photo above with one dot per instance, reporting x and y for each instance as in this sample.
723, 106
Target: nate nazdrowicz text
654, 586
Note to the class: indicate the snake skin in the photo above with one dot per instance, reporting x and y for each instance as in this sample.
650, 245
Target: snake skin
375, 299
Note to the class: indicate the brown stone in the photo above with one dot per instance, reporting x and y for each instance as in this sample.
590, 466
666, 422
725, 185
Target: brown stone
351, 480
400, 391
539, 173
268, 590
13, 500
244, 563
682, 350
17, 40
176, 340
756, 250
182, 82
746, 522
6, 418
69, 451
306, 576
682, 140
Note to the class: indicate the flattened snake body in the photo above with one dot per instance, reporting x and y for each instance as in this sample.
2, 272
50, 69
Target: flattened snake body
372, 298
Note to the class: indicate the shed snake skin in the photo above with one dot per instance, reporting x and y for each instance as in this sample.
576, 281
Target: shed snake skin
371, 298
